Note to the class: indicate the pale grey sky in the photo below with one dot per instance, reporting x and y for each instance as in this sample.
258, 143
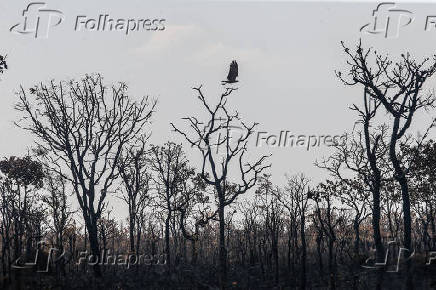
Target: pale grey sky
287, 53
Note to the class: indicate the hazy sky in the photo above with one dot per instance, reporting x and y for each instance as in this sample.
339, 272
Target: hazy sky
287, 53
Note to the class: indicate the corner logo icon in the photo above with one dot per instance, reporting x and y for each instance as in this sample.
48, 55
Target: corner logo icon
38, 20
387, 20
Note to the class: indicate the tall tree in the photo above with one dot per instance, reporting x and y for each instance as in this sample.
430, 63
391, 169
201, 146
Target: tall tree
195, 208
219, 151
398, 87
59, 209
24, 176
272, 211
169, 162
298, 188
364, 156
329, 219
83, 126
423, 179
135, 173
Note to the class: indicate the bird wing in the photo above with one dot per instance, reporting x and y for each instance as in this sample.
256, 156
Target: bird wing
233, 72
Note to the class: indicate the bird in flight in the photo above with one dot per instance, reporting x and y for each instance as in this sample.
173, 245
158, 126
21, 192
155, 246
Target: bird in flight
3, 64
233, 73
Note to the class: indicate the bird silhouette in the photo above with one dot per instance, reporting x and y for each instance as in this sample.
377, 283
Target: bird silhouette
3, 64
233, 73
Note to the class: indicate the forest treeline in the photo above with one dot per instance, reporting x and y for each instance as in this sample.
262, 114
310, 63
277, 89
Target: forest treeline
220, 222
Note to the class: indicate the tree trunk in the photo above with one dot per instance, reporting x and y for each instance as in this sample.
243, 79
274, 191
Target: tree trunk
332, 271
303, 252
402, 180
222, 245
131, 233
194, 252
433, 228
167, 241
91, 224
357, 234
376, 227
406, 213
375, 189
319, 252
275, 249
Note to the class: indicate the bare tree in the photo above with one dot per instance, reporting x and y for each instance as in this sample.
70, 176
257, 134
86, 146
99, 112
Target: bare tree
135, 173
195, 208
24, 178
298, 188
364, 155
84, 126
271, 210
251, 228
169, 162
108, 232
329, 218
215, 168
422, 175
59, 209
398, 87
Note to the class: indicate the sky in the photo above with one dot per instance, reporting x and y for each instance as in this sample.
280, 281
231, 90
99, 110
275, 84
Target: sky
287, 53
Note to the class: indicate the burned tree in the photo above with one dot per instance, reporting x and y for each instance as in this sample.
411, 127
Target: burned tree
398, 87
24, 177
169, 162
423, 169
219, 152
328, 218
59, 210
272, 212
83, 126
297, 190
6, 212
58, 206
194, 207
20, 181
364, 155
135, 174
